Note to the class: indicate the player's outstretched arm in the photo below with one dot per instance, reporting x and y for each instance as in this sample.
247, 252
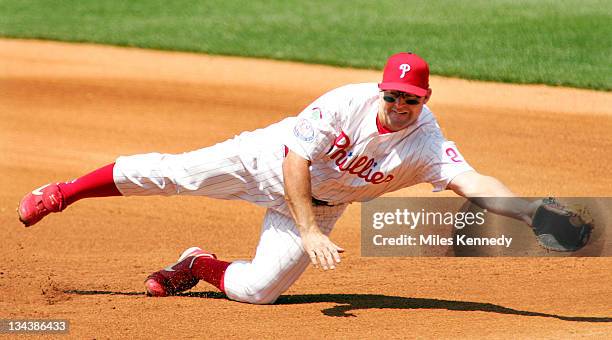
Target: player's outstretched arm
491, 194
298, 194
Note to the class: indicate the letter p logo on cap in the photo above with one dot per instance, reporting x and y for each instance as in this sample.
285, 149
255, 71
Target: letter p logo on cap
404, 68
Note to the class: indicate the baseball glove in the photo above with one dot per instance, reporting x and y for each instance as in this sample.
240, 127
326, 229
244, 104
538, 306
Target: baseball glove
562, 228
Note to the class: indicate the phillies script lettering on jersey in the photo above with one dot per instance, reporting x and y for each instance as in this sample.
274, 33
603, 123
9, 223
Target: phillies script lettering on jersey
360, 166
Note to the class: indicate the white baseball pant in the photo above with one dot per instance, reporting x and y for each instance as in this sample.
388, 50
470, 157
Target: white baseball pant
218, 171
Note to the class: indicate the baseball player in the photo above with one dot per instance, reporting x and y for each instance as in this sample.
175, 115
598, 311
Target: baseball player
352, 144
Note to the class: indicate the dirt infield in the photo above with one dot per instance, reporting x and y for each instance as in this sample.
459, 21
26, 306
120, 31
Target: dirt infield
67, 109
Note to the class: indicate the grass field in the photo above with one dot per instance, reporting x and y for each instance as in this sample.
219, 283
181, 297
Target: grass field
552, 42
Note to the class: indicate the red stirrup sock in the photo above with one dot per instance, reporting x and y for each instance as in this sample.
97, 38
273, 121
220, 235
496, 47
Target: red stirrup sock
98, 183
210, 270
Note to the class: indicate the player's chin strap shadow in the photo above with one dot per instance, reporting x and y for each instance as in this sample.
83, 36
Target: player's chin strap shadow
351, 302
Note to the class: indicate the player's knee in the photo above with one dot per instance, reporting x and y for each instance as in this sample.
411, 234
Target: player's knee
262, 294
258, 299
259, 285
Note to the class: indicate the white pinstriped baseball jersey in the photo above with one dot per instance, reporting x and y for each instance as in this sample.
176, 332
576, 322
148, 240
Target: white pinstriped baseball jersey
350, 159
353, 161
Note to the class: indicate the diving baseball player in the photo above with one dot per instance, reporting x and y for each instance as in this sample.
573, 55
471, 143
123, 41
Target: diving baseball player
352, 144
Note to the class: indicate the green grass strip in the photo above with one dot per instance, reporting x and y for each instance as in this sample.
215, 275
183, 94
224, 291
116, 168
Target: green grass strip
556, 42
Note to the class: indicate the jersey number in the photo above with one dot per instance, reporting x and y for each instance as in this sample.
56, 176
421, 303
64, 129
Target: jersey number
450, 152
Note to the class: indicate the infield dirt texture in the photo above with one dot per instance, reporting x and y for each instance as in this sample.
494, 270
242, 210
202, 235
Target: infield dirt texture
66, 109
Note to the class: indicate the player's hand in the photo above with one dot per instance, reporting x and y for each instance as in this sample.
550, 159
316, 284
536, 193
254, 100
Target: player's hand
321, 250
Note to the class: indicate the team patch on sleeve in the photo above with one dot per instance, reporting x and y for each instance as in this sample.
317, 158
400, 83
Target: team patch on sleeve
303, 130
316, 113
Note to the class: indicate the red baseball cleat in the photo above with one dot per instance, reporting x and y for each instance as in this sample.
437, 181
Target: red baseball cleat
40, 203
176, 277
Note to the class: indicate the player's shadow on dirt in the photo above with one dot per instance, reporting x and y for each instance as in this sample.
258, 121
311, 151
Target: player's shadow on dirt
347, 303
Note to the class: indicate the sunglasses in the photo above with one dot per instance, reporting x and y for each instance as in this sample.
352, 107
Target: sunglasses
391, 97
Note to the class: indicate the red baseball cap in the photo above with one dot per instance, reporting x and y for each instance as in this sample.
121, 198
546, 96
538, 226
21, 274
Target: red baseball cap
406, 72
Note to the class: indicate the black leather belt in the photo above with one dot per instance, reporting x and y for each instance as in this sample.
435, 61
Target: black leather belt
317, 202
